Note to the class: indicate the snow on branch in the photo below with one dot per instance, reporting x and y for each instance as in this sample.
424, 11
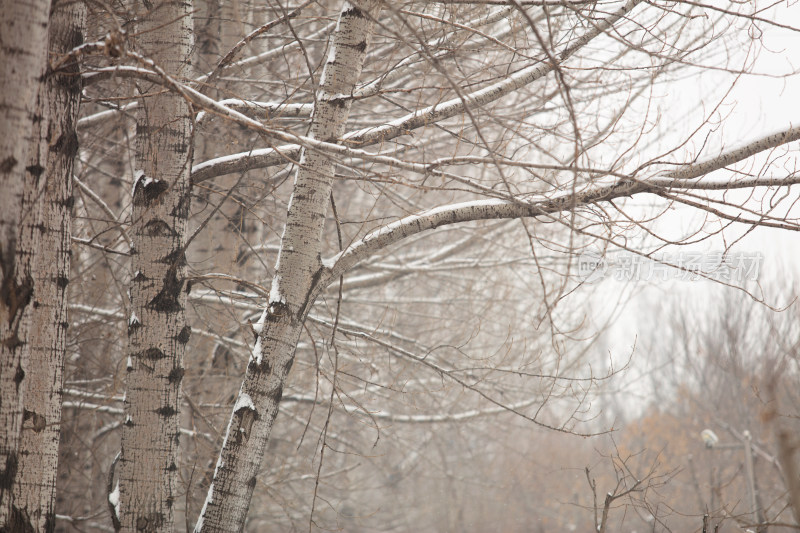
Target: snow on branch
472, 211
696, 170
672, 182
264, 110
486, 95
262, 158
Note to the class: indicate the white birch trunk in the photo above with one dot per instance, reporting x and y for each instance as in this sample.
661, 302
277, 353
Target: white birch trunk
23, 29
157, 330
297, 271
34, 491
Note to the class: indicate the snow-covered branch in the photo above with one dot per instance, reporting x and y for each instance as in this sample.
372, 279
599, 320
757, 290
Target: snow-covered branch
672, 182
262, 158
768, 142
468, 212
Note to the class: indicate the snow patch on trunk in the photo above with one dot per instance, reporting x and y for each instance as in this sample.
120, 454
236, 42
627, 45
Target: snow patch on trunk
113, 499
139, 176
258, 327
256, 355
220, 464
244, 402
275, 294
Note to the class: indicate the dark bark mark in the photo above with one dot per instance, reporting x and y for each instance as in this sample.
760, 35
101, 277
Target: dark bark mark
158, 228
50, 522
361, 47
266, 365
15, 296
245, 416
147, 194
166, 412
353, 12
8, 164
276, 394
307, 302
150, 354
68, 202
73, 38
149, 523
139, 277
133, 325
277, 310
168, 298
305, 195
66, 144
19, 375
181, 148
176, 375
339, 102
62, 282
19, 522
35, 170
183, 336
69, 79
176, 258
13, 342
181, 209
287, 366
251, 483
9, 471
38, 422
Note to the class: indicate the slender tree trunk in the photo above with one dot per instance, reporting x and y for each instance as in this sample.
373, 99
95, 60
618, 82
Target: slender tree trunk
34, 491
157, 330
23, 29
297, 269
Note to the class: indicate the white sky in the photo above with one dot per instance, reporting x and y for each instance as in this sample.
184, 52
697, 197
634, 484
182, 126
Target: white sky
757, 106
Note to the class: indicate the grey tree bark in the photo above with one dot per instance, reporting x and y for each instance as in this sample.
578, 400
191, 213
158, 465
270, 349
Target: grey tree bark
23, 27
157, 329
52, 155
297, 271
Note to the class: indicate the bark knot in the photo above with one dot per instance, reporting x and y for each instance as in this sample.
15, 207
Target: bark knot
38, 422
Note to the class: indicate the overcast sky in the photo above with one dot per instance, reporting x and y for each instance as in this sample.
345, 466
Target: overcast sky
758, 105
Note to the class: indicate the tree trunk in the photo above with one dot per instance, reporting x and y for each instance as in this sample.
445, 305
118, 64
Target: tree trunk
23, 29
297, 270
157, 330
34, 492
